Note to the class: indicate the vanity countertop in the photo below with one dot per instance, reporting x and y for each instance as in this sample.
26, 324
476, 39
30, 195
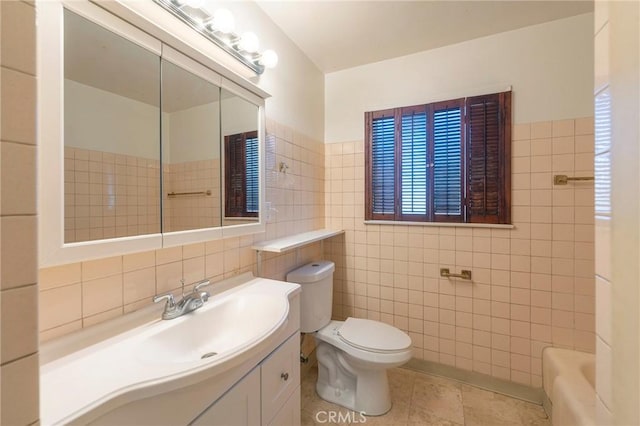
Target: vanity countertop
159, 355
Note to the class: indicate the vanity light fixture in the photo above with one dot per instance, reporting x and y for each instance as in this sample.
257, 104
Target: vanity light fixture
218, 26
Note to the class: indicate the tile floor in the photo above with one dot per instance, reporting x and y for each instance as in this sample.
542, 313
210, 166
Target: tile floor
422, 399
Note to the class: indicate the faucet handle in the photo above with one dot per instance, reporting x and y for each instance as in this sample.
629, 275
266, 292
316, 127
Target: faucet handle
201, 284
171, 302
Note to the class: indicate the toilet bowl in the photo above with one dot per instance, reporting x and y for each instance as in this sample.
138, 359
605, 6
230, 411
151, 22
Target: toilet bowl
353, 359
353, 355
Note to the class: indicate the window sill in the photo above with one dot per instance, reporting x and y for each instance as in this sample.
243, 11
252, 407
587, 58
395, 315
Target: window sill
439, 224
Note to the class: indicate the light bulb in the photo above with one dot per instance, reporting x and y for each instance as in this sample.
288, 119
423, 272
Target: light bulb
195, 4
223, 21
269, 59
249, 42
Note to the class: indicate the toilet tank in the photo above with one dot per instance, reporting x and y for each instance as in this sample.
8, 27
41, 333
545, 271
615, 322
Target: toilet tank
316, 280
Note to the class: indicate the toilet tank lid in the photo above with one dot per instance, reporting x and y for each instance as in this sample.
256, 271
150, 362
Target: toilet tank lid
311, 272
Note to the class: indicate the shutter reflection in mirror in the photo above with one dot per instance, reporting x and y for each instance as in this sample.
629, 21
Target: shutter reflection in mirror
241, 180
252, 171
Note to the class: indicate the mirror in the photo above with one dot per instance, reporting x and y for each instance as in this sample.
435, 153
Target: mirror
124, 120
190, 151
111, 132
241, 159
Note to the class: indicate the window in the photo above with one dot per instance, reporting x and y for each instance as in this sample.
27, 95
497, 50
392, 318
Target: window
241, 175
442, 162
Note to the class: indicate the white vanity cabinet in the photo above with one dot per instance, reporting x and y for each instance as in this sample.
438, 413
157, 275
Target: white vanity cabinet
280, 381
238, 407
268, 395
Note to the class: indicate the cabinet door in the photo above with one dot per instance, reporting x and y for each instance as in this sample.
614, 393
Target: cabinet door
280, 377
240, 406
289, 414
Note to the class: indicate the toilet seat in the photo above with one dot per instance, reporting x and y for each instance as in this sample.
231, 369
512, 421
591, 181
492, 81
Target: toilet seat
331, 335
373, 336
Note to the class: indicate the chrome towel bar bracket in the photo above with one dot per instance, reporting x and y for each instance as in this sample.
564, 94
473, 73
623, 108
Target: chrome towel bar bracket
564, 179
465, 274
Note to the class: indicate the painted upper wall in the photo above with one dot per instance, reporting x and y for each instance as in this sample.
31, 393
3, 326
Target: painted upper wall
549, 66
113, 123
296, 85
191, 134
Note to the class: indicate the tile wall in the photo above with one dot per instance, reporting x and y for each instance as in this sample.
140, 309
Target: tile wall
18, 220
184, 212
77, 295
533, 285
109, 195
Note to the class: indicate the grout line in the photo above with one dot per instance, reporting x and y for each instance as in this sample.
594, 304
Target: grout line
19, 215
21, 286
4, 66
20, 358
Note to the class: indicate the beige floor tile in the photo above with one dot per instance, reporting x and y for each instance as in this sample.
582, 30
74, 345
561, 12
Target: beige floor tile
421, 399
436, 399
398, 415
528, 413
316, 418
483, 407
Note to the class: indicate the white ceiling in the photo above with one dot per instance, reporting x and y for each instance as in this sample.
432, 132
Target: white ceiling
337, 35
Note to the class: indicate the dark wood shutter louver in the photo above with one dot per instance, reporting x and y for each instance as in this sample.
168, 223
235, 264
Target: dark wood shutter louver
234, 178
252, 196
382, 158
241, 175
447, 161
414, 163
488, 174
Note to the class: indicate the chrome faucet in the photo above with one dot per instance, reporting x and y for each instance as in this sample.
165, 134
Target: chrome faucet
188, 303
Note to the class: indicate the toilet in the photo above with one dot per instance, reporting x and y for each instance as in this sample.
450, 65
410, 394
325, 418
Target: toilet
353, 355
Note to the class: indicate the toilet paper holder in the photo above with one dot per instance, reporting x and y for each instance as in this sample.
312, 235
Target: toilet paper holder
465, 274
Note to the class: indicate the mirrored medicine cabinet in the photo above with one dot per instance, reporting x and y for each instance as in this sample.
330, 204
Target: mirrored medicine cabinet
141, 146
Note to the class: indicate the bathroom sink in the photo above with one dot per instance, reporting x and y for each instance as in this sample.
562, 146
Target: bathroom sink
155, 357
215, 331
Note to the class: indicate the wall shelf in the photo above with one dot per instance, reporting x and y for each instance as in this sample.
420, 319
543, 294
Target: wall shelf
282, 245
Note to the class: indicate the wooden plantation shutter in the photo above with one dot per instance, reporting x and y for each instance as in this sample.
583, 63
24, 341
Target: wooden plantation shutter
488, 158
380, 193
442, 162
234, 178
252, 181
414, 200
447, 165
241, 171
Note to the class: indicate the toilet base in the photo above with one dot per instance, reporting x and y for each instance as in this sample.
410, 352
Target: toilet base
362, 390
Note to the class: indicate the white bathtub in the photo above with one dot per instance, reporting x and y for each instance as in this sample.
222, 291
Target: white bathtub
568, 378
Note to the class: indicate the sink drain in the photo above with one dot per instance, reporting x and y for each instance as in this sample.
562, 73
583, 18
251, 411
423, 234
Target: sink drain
208, 355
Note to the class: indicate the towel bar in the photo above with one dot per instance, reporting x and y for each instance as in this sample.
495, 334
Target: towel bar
465, 274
